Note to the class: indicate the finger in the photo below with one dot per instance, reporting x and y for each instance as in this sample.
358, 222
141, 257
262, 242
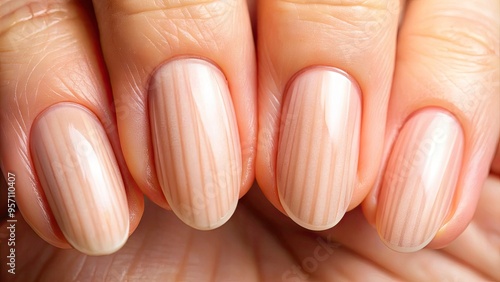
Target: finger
479, 244
183, 78
325, 69
58, 137
443, 123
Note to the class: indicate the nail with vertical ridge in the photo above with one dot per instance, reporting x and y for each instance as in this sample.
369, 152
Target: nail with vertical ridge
318, 147
195, 141
420, 180
80, 177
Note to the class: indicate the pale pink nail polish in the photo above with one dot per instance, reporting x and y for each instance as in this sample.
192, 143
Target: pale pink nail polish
195, 141
318, 147
420, 180
80, 177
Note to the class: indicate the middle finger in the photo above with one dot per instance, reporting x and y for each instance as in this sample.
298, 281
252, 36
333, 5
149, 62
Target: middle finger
325, 70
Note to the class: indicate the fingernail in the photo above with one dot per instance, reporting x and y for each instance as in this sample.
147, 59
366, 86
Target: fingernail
420, 180
318, 147
80, 177
195, 141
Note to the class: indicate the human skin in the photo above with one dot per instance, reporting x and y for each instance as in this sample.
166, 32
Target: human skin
260, 244
323, 69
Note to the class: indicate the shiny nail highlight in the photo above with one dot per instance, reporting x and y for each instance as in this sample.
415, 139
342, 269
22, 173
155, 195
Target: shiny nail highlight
80, 177
318, 147
420, 180
195, 141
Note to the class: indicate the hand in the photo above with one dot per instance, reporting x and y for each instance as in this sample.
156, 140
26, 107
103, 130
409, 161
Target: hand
260, 244
183, 80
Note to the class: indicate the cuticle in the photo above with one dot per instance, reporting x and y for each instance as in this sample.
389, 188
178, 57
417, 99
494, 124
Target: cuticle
59, 104
326, 67
430, 107
179, 58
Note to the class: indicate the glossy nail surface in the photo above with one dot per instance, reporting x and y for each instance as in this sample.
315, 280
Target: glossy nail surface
318, 147
420, 180
77, 169
195, 141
